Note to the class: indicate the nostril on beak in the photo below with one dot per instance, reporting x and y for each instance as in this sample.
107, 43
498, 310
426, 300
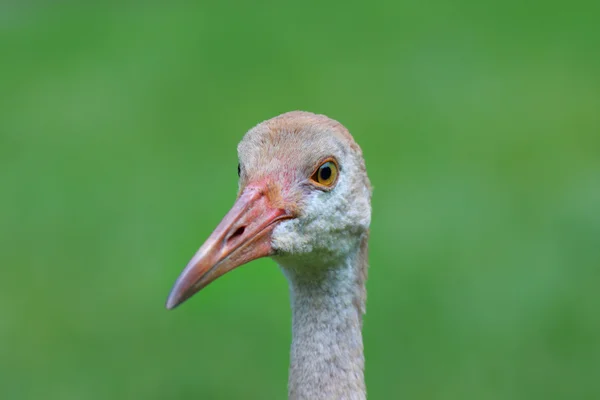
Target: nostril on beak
238, 232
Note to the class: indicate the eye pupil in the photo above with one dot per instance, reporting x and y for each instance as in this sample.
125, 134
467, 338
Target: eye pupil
325, 172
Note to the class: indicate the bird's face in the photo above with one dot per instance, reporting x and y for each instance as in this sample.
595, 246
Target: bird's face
304, 198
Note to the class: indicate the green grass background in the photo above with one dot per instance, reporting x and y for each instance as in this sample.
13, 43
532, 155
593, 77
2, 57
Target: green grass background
480, 124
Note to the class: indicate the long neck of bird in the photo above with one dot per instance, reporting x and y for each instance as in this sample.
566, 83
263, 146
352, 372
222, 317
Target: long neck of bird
327, 358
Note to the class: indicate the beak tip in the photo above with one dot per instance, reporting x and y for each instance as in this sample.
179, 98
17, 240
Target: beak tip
173, 301
170, 305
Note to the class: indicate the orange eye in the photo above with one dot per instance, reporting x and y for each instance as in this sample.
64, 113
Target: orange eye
326, 174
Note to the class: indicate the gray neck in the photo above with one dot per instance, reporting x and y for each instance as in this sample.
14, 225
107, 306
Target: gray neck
327, 360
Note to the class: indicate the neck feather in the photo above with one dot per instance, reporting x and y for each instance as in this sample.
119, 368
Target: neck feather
327, 360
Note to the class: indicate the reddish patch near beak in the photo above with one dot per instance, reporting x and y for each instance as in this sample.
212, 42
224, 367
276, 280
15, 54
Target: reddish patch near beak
243, 235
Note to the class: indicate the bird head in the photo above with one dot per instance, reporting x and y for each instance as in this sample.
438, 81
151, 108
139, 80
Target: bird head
304, 199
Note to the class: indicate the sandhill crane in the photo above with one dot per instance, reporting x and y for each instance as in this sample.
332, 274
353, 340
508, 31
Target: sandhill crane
305, 200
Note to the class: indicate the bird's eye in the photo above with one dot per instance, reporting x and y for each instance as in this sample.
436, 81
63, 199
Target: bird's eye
326, 174
239, 170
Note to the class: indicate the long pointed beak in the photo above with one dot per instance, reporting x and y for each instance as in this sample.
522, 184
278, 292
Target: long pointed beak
243, 235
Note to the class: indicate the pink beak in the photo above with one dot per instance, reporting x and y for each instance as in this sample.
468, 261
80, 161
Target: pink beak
242, 236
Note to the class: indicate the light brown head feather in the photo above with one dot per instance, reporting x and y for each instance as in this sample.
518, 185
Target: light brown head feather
285, 149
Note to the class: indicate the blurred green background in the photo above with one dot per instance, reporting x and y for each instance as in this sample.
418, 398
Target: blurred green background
480, 124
